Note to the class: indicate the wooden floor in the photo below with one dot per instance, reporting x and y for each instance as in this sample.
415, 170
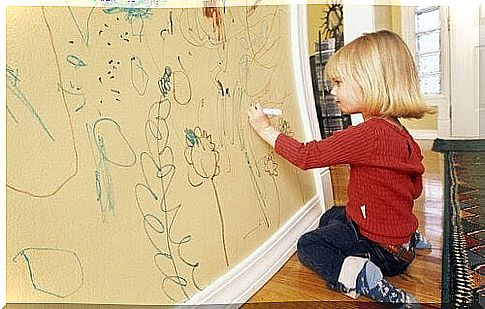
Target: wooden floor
295, 283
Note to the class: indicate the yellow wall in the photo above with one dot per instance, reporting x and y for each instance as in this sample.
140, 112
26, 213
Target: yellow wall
314, 14
428, 122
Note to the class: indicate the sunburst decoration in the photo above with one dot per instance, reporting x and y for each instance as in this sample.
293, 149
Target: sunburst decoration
332, 21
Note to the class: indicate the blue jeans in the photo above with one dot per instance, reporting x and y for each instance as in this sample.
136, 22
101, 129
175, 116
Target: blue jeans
324, 249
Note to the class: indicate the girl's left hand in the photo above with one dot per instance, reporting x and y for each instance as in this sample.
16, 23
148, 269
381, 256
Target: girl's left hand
258, 120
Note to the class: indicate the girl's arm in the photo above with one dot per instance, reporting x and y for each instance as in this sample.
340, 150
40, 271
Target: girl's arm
352, 145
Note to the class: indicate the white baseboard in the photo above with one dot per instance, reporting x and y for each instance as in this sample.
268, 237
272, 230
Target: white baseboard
244, 280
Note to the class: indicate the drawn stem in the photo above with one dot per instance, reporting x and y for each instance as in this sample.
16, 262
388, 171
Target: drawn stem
164, 208
262, 202
299, 184
279, 201
221, 219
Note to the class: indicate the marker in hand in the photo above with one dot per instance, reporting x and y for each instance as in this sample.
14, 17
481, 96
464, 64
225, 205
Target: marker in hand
272, 111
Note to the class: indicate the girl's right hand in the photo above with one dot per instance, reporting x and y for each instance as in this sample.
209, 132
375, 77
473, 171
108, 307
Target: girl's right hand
260, 123
258, 120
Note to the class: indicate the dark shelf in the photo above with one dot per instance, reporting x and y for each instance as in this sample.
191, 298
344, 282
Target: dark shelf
330, 117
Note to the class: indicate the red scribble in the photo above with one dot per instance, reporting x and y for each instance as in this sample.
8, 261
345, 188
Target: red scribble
211, 10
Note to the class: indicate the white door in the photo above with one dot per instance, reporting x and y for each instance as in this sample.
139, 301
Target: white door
464, 70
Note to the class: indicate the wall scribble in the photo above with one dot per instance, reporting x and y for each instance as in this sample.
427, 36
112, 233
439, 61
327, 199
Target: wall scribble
132, 173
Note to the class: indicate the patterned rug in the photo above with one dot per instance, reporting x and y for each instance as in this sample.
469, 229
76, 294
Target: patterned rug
463, 261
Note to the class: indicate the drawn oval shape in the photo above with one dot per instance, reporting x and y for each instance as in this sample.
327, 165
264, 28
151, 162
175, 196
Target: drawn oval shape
182, 90
139, 77
75, 61
156, 135
171, 285
160, 110
112, 144
52, 271
150, 172
154, 223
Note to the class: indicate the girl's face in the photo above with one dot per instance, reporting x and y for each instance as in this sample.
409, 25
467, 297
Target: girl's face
347, 97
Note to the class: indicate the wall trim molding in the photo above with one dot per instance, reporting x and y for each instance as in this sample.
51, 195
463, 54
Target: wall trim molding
240, 283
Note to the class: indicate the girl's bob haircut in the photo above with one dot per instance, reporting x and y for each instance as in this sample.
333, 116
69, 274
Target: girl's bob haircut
382, 67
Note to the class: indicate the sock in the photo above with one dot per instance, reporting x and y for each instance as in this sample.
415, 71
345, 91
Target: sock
371, 283
420, 241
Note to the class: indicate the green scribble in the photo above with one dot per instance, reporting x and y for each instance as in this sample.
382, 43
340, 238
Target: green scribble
192, 139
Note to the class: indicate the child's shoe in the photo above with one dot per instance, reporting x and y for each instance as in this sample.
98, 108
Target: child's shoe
386, 292
370, 283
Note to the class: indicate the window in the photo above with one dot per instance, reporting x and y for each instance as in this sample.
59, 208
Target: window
428, 48
425, 30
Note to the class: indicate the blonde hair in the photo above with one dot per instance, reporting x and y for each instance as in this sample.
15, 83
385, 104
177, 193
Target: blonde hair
383, 69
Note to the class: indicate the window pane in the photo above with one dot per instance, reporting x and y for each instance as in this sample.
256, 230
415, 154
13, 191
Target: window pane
430, 84
428, 21
429, 42
429, 63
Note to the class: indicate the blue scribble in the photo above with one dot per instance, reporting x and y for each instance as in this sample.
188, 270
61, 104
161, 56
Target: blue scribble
85, 33
105, 186
142, 3
191, 137
107, 173
130, 12
13, 81
75, 61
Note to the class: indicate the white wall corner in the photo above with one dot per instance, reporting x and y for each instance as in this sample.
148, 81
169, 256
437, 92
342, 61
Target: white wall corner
358, 19
240, 283
464, 68
303, 83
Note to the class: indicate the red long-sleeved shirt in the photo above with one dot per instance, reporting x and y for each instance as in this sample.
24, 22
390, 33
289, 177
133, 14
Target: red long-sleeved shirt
385, 175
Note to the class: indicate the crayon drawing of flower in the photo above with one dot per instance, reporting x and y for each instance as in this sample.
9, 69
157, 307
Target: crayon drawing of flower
201, 154
203, 159
271, 168
285, 127
270, 165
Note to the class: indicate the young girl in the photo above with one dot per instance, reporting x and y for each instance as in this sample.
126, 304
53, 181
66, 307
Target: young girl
374, 235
